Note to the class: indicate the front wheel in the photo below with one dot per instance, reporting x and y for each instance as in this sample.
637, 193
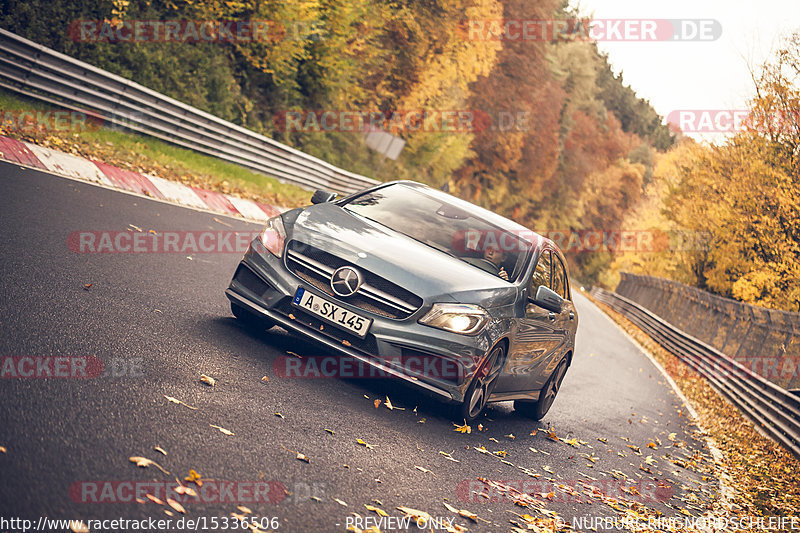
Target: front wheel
482, 385
539, 408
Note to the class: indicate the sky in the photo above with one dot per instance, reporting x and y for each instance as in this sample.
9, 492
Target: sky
697, 75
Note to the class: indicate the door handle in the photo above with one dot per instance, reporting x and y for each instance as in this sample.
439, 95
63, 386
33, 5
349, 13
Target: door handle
571, 315
551, 316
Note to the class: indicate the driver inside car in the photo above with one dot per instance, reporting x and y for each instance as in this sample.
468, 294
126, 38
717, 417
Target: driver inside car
492, 261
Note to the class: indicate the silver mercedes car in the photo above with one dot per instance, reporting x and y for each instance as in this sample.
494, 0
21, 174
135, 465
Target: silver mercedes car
421, 286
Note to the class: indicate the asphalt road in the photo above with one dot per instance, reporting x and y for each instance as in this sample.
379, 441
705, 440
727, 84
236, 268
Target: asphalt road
163, 318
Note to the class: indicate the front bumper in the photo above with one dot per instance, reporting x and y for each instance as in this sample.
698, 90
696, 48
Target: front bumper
444, 364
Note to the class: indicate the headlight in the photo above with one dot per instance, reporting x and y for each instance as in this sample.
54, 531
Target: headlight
459, 318
274, 236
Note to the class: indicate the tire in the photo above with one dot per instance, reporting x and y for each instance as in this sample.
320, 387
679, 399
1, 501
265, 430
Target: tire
539, 408
481, 387
248, 319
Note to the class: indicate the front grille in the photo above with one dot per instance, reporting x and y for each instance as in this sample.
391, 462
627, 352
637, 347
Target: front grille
376, 295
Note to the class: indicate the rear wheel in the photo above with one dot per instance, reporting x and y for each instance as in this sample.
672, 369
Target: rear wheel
482, 385
547, 396
249, 319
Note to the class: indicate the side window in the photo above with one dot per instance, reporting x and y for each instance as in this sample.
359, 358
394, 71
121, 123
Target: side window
560, 279
541, 275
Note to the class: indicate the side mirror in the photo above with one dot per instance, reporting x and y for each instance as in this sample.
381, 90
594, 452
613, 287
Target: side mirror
321, 196
548, 299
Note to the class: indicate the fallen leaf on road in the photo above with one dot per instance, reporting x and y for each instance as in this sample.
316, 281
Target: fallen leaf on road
463, 429
301, 457
420, 517
377, 403
87, 286
636, 449
208, 380
244, 509
449, 457
548, 469
377, 510
144, 462
78, 527
340, 502
365, 444
175, 400
160, 450
153, 499
423, 469
601, 439
462, 512
175, 505
535, 431
168, 512
3, 449
331, 431
194, 477
222, 430
391, 407
294, 354
511, 436
279, 415
180, 489
421, 420
552, 435
265, 379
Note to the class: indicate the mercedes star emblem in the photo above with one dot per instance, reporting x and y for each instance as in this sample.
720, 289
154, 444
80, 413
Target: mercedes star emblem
346, 281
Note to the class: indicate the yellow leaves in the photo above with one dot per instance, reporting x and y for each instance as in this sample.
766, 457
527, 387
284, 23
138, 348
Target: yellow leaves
160, 450
501, 453
422, 469
208, 380
377, 510
279, 415
463, 429
222, 430
448, 457
481, 449
635, 449
180, 489
572, 442
377, 403
177, 401
652, 444
548, 469
301, 457
332, 432
365, 444
153, 499
194, 477
144, 462
340, 502
265, 379
552, 435
3, 449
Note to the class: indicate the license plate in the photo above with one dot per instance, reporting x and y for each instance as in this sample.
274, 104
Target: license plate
331, 313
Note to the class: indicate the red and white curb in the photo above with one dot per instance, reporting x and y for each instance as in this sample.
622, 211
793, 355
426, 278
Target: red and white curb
42, 158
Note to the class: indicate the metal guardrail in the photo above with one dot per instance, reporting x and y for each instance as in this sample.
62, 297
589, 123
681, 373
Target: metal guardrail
46, 75
775, 410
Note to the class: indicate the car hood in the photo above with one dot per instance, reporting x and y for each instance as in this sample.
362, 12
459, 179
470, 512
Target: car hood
417, 267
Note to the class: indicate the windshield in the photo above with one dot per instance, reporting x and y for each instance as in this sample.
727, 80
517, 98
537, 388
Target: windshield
450, 225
